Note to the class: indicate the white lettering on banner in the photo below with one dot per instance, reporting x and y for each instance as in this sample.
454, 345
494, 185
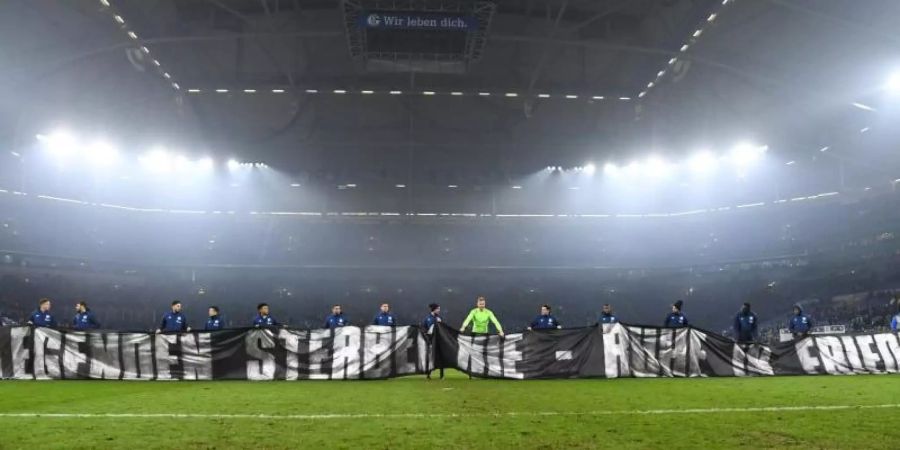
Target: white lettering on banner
834, 361
379, 352
676, 356
456, 22
137, 357
164, 361
850, 350
46, 354
423, 355
378, 344
318, 354
402, 350
196, 356
615, 350
754, 356
420, 22
511, 356
104, 356
20, 354
867, 353
261, 366
345, 356
809, 362
291, 342
472, 349
376, 20
466, 357
72, 357
664, 356
391, 21
643, 352
889, 347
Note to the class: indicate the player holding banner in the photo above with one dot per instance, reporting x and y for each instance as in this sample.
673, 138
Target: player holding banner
431, 320
480, 317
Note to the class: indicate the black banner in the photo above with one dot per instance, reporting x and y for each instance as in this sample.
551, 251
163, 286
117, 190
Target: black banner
374, 352
619, 350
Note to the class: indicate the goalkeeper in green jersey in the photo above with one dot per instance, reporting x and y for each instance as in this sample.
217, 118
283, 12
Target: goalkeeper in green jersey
479, 318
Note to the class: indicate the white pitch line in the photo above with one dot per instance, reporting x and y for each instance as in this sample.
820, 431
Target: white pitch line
444, 415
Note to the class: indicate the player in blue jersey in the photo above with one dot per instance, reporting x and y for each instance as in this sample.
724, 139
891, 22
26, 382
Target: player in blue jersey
214, 321
263, 319
545, 321
385, 317
336, 319
676, 318
745, 325
800, 324
42, 317
173, 320
607, 316
433, 317
84, 318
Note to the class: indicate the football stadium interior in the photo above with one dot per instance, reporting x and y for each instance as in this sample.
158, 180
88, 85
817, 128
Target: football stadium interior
662, 157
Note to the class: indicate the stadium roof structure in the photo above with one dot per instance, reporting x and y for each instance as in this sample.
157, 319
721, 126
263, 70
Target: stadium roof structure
311, 85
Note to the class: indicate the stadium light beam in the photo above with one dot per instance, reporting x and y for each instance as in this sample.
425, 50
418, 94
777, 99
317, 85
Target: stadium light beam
205, 164
59, 143
610, 169
744, 155
182, 164
233, 165
101, 154
892, 85
702, 162
632, 169
157, 160
589, 168
657, 167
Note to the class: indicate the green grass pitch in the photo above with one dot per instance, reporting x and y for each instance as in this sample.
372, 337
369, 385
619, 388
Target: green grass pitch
780, 412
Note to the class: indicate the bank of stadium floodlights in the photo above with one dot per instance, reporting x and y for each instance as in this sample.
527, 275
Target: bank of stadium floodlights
66, 149
690, 43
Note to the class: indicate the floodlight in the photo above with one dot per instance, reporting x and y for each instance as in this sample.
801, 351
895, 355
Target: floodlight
702, 162
893, 83
182, 163
101, 154
589, 168
744, 154
60, 143
157, 160
633, 168
657, 167
205, 164
233, 165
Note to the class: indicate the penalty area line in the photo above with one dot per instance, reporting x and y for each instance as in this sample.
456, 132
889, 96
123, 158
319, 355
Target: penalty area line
442, 415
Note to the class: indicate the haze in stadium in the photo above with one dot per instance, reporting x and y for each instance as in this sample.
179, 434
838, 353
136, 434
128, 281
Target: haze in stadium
449, 224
